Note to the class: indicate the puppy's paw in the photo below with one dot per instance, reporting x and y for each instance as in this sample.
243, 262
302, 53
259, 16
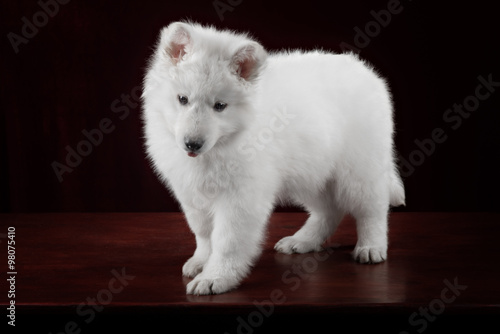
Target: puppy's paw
292, 244
193, 267
370, 254
202, 285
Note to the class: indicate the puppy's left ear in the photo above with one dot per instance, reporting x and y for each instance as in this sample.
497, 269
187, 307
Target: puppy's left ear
249, 60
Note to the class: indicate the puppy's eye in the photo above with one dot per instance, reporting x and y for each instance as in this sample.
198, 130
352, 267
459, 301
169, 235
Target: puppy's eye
220, 106
182, 99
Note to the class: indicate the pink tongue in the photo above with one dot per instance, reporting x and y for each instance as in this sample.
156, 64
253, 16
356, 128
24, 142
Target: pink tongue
192, 155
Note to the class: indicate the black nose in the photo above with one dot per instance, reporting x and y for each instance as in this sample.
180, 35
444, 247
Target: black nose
193, 145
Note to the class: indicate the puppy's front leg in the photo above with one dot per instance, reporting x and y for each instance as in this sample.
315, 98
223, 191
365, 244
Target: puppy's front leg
236, 242
200, 222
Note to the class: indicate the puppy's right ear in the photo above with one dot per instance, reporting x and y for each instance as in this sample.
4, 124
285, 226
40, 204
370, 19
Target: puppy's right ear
176, 41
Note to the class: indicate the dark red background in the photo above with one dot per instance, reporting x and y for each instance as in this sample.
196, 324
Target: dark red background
87, 62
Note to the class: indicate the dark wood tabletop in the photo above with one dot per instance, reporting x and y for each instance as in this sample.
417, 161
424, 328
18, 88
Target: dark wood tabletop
88, 265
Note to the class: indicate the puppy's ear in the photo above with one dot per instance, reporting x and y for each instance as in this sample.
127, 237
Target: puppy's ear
176, 41
249, 60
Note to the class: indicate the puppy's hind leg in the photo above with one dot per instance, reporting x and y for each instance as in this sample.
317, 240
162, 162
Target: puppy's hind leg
372, 239
372, 227
323, 220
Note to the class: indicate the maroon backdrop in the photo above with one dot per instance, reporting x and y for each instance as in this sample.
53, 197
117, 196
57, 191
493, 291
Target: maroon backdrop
71, 74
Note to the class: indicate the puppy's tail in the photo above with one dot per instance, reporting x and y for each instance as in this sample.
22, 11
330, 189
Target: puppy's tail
397, 190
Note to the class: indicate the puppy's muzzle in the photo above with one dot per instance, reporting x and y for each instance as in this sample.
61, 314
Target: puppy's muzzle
193, 146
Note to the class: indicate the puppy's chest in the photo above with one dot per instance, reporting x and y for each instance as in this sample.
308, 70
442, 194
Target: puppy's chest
214, 176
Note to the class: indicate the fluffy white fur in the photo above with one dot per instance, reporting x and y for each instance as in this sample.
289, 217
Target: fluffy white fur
311, 128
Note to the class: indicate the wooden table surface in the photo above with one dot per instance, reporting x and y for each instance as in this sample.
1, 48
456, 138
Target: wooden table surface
125, 264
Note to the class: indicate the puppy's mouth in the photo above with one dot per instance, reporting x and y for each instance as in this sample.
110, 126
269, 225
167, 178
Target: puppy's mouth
192, 154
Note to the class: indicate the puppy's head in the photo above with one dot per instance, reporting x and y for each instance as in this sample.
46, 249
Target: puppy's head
206, 81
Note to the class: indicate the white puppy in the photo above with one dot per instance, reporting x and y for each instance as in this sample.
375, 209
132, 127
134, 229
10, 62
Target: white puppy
233, 130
